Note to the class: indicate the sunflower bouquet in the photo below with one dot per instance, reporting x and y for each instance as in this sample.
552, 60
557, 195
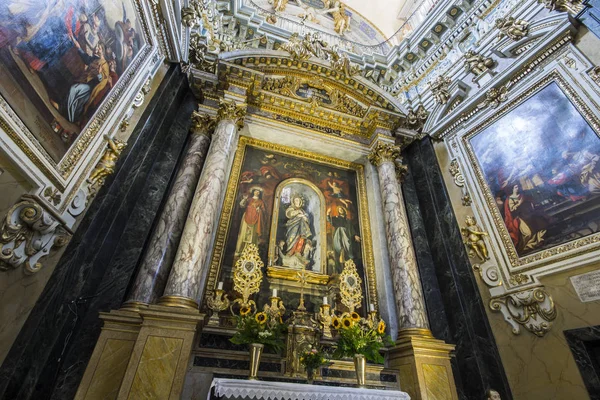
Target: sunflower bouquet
360, 336
259, 329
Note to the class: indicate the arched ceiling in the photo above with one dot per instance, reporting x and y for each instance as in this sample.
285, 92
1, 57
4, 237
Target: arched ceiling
386, 15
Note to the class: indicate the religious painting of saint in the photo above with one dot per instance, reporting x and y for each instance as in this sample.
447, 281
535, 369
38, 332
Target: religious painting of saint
540, 165
59, 59
302, 214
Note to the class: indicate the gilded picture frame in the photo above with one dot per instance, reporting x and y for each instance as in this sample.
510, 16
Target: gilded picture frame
560, 251
224, 226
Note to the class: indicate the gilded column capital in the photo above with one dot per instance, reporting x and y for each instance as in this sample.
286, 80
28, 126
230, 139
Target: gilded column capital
202, 124
384, 152
229, 109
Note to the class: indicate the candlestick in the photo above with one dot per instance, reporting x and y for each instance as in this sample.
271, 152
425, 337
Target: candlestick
220, 286
274, 292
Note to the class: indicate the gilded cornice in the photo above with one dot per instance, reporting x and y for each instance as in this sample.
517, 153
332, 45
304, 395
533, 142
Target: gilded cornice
230, 110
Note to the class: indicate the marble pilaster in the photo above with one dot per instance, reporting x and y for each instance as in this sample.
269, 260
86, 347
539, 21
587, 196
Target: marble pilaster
405, 274
161, 250
183, 284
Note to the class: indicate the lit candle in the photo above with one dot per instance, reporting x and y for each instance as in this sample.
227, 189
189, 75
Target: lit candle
220, 286
324, 301
371, 307
274, 292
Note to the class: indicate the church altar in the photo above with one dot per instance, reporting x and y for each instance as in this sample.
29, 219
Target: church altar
254, 389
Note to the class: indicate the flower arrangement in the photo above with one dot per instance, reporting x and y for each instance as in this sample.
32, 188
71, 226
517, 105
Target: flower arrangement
313, 359
260, 329
360, 336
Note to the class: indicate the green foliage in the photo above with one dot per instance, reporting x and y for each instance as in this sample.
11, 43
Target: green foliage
255, 329
361, 337
313, 359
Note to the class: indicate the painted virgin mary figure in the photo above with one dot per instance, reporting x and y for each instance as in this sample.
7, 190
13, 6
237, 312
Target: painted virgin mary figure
298, 234
253, 223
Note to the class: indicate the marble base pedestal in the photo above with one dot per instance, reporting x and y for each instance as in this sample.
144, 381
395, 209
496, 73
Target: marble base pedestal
108, 364
424, 365
160, 357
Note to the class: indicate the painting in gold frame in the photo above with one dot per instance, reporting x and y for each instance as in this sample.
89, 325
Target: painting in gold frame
318, 233
550, 93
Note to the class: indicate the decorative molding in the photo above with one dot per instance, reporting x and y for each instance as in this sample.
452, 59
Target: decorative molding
29, 232
202, 123
530, 308
105, 166
494, 97
454, 169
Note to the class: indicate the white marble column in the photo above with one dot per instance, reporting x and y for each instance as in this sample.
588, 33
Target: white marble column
410, 303
183, 285
161, 250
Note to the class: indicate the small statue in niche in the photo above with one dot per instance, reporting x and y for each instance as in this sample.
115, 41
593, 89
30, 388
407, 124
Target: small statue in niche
439, 89
474, 236
477, 64
516, 29
107, 163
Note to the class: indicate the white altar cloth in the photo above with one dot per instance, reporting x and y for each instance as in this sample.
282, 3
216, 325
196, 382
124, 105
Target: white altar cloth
245, 389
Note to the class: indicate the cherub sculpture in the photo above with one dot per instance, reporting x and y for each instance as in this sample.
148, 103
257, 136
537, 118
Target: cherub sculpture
516, 29
474, 236
107, 163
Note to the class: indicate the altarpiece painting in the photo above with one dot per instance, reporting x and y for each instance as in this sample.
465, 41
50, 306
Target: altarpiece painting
59, 59
303, 214
539, 168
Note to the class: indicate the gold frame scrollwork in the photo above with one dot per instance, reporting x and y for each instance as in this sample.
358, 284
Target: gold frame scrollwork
232, 193
559, 252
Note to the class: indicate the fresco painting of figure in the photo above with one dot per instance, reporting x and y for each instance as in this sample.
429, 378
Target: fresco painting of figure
542, 170
59, 59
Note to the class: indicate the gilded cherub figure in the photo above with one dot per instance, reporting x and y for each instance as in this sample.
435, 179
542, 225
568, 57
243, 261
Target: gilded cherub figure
341, 20
516, 29
107, 163
439, 89
572, 7
474, 236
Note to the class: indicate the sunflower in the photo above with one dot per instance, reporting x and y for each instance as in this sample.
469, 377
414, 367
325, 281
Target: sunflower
335, 322
261, 317
245, 311
355, 317
347, 322
381, 327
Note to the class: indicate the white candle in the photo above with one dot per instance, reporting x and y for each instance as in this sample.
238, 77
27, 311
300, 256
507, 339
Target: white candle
324, 301
274, 292
220, 286
371, 307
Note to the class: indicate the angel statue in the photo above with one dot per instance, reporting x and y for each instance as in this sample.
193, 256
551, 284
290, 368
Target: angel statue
279, 5
341, 20
474, 239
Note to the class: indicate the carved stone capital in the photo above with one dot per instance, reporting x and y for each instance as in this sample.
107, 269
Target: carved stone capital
531, 308
202, 124
229, 109
28, 233
384, 152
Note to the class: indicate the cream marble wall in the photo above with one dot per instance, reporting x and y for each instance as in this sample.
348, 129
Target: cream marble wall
537, 368
19, 291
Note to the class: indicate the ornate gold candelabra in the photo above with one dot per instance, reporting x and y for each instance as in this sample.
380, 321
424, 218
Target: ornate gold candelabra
302, 280
275, 310
325, 317
217, 303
